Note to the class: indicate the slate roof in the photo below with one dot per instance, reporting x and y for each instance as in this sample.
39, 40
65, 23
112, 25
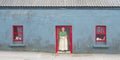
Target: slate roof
107, 3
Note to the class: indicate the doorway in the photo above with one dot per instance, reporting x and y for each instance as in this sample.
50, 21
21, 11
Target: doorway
63, 39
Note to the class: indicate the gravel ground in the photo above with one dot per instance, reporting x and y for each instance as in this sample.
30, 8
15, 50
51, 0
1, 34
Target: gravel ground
18, 55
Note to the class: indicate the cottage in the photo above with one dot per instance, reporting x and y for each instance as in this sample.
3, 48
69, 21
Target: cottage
60, 26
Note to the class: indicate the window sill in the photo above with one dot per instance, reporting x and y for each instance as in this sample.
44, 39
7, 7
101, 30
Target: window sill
17, 45
100, 46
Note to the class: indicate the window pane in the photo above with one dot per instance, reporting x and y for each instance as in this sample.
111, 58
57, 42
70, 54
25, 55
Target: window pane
98, 29
18, 36
100, 36
102, 30
18, 29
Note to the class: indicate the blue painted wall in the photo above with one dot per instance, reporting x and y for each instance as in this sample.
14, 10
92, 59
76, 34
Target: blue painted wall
39, 28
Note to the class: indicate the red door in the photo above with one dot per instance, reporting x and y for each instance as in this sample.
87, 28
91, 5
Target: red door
69, 33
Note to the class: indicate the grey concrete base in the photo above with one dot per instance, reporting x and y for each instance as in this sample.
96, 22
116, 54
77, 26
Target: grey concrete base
10, 55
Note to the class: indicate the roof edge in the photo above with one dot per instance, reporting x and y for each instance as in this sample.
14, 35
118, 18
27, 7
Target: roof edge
60, 7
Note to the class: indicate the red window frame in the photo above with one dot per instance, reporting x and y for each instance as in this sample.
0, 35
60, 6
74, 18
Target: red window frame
19, 39
100, 30
57, 37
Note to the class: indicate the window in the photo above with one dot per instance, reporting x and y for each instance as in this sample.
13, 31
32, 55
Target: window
100, 37
18, 33
100, 34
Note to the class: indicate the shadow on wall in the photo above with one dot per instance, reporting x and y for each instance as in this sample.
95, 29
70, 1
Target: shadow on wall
40, 45
84, 47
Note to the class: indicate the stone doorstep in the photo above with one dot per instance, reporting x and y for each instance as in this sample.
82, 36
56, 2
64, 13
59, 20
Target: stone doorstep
64, 52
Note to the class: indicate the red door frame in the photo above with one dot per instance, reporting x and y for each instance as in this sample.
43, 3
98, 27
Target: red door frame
57, 37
